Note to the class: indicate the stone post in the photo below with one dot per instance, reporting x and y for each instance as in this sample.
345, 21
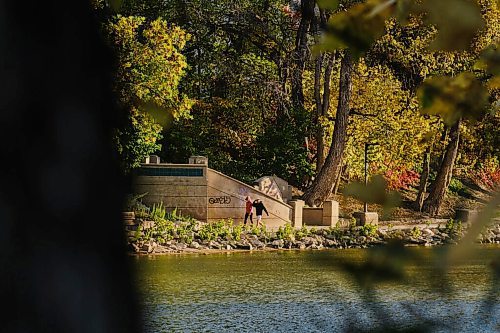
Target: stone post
363, 218
330, 213
198, 160
297, 207
154, 159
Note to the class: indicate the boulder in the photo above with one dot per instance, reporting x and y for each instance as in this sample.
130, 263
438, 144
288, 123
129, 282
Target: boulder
427, 232
194, 245
278, 243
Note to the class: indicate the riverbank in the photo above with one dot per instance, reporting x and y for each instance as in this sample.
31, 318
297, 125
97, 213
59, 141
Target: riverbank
199, 237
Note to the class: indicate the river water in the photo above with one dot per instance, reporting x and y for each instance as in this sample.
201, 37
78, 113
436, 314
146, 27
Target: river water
310, 291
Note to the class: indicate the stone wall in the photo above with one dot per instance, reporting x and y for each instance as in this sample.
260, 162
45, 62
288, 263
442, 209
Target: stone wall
203, 193
178, 186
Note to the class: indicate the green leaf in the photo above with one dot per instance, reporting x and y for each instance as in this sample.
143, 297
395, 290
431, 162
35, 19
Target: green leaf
358, 28
457, 21
452, 98
328, 4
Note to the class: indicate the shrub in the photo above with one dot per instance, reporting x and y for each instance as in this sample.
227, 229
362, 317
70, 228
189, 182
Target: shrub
157, 212
369, 230
416, 232
286, 232
488, 174
399, 178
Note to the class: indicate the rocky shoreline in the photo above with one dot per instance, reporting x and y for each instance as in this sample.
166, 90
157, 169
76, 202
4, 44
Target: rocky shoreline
254, 239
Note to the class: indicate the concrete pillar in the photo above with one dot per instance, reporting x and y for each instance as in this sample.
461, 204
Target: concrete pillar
154, 159
297, 207
330, 213
198, 160
363, 218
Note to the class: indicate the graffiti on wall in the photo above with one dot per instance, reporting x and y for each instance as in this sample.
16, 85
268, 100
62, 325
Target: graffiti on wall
223, 200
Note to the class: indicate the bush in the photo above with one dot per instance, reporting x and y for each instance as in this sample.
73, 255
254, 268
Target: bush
488, 174
286, 232
369, 230
456, 186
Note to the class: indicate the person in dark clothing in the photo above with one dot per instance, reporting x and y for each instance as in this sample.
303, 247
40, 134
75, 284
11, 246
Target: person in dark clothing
248, 210
259, 207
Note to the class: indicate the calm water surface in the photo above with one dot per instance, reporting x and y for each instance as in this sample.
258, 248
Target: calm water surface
306, 291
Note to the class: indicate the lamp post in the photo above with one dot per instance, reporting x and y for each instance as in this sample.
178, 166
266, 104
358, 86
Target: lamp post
366, 170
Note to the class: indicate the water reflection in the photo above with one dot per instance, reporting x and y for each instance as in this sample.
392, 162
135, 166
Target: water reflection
292, 291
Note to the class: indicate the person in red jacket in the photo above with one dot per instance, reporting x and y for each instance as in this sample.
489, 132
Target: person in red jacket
248, 210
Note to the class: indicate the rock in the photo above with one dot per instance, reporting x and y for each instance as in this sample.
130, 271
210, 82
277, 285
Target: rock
309, 241
194, 245
278, 243
428, 232
244, 246
257, 243
228, 247
330, 243
136, 247
214, 245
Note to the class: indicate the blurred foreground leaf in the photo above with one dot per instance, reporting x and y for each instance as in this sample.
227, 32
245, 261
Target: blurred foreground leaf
457, 21
452, 98
465, 248
328, 4
374, 192
358, 27
490, 60
383, 264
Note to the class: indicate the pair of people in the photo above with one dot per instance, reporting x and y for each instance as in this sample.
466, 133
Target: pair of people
259, 208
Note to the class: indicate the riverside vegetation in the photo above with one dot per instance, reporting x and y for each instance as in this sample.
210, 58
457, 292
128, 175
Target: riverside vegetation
159, 232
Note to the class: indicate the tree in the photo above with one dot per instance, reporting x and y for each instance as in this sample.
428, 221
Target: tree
150, 67
323, 184
433, 202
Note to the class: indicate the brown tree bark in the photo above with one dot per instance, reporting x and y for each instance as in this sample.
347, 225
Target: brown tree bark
433, 202
299, 55
322, 104
424, 178
323, 184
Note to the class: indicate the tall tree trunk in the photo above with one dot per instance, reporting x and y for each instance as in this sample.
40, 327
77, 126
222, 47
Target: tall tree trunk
300, 53
424, 178
433, 202
323, 184
322, 105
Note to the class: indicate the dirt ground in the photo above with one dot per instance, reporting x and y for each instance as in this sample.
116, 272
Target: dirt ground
470, 197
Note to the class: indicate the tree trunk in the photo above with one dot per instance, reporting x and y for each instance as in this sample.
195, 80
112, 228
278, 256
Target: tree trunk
300, 54
424, 178
322, 107
433, 202
323, 184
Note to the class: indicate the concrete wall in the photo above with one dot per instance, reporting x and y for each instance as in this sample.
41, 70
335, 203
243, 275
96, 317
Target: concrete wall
312, 216
328, 215
186, 191
226, 199
205, 194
